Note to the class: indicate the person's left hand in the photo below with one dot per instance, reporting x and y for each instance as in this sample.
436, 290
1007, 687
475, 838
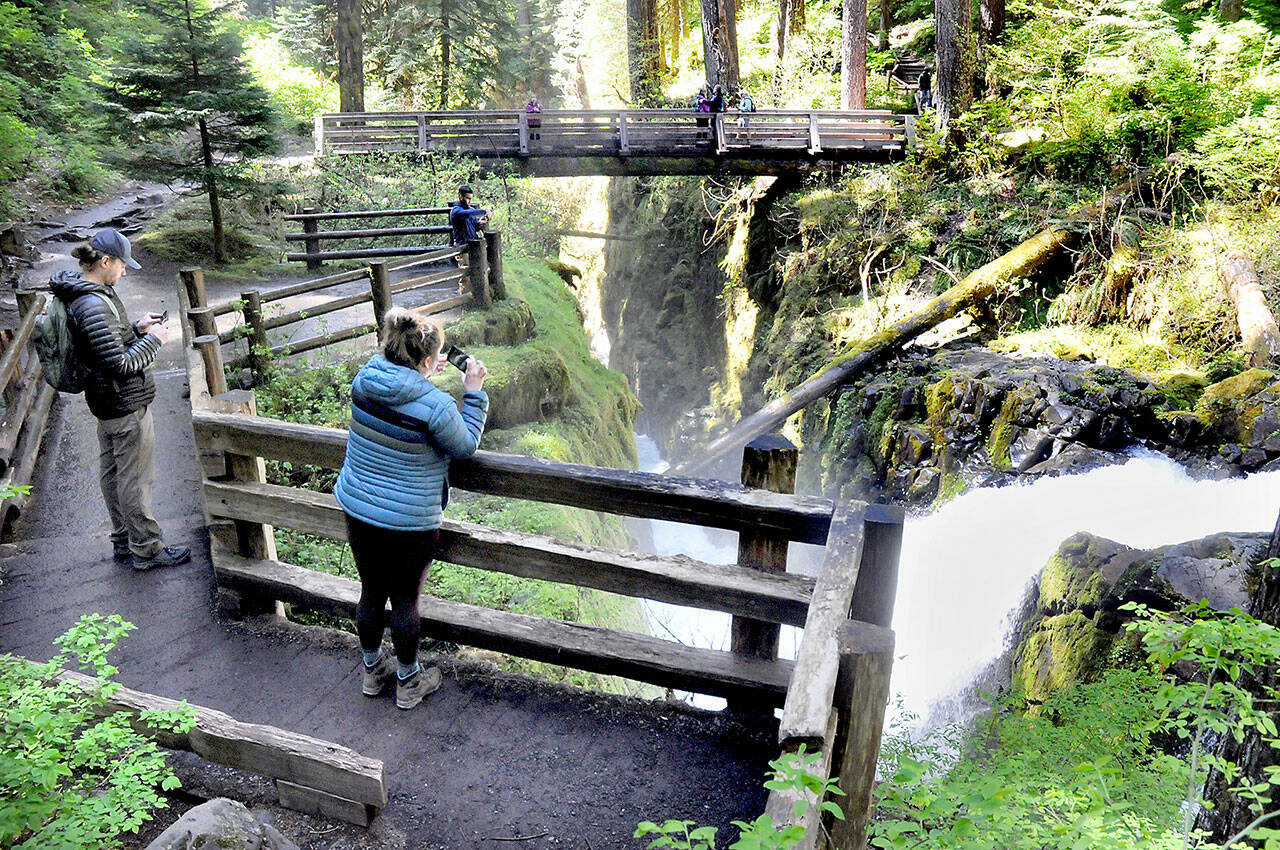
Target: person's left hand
150, 320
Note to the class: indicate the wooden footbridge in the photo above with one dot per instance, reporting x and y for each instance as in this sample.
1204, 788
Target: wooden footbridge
832, 696
627, 141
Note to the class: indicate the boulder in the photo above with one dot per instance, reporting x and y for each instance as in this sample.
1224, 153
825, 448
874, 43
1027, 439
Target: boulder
1075, 624
220, 824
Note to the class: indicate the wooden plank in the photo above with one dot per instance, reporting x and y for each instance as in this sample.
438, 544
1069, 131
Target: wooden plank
809, 703
774, 597
432, 256
877, 587
302, 346
768, 463
717, 504
318, 310
368, 233
265, 750
359, 253
598, 650
862, 694
444, 306
420, 281
17, 344
781, 803
314, 802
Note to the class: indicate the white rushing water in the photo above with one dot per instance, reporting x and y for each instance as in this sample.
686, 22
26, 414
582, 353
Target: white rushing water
966, 567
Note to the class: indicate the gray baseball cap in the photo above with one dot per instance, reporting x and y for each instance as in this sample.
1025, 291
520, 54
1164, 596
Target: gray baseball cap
115, 243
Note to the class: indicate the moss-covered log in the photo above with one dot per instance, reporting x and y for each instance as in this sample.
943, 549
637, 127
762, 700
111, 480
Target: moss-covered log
1258, 329
975, 289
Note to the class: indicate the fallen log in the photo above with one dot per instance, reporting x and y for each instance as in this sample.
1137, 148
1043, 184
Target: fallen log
1258, 329
978, 287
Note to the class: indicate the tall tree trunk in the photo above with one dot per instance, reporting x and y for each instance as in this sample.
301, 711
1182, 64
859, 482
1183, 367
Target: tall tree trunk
349, 35
791, 20
446, 54
524, 20
642, 49
720, 42
953, 82
853, 55
1230, 10
886, 23
211, 186
584, 98
991, 20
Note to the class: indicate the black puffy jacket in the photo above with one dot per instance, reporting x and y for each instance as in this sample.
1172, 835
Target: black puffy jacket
117, 355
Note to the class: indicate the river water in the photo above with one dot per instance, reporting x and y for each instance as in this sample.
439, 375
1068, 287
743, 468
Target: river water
966, 567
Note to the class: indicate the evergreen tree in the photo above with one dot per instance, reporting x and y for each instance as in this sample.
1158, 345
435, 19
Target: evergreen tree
190, 102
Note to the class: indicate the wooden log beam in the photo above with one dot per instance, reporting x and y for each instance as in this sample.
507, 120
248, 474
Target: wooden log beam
327, 216
314, 284
592, 648
368, 233
16, 413
264, 750
641, 494
356, 254
17, 344
1258, 329
768, 463
28, 449
810, 699
679, 580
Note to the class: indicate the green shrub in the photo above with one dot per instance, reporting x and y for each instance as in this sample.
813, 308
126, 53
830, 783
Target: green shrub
69, 778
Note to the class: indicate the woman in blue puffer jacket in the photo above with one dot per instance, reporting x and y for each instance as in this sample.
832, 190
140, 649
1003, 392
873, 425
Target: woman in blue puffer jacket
394, 485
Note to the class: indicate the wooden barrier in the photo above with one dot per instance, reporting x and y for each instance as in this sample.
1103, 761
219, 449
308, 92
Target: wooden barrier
27, 401
652, 135
312, 235
313, 776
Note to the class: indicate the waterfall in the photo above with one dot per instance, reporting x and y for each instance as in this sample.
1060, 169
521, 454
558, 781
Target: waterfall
966, 567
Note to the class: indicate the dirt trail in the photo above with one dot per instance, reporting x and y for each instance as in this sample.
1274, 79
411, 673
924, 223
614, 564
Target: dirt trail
489, 757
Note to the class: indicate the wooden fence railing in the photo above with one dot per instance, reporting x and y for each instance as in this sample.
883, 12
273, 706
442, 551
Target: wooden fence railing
622, 133
480, 280
312, 235
833, 695
26, 399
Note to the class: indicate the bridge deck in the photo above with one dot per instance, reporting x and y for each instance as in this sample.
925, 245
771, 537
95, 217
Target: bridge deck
629, 141
489, 756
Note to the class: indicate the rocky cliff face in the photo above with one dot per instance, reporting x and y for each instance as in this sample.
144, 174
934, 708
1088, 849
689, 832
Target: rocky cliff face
931, 425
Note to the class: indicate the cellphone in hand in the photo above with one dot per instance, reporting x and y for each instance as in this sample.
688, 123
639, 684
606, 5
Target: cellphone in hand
164, 317
457, 357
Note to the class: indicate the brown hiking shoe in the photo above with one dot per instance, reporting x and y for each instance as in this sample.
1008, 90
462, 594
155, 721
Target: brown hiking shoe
410, 691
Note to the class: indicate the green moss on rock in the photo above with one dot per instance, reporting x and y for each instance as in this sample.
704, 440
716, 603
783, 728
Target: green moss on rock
1064, 649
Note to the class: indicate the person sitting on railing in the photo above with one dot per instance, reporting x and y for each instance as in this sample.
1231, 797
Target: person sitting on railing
533, 111
394, 486
464, 218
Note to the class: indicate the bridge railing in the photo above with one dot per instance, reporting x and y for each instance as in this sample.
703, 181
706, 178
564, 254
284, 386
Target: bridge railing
312, 235
833, 695
602, 132
479, 281
25, 400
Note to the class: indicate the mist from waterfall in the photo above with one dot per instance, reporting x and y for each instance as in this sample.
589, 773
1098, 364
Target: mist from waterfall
966, 567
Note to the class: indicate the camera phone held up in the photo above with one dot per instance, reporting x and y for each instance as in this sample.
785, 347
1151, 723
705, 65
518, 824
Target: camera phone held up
458, 357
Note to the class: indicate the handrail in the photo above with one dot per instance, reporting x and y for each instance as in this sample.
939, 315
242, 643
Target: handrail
804, 519
325, 216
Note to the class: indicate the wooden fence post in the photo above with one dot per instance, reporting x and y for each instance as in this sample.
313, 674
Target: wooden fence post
477, 270
310, 228
493, 244
193, 281
768, 463
252, 539
215, 374
259, 346
380, 288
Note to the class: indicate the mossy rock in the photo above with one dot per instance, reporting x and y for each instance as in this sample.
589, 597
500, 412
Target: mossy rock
1071, 579
1182, 389
509, 322
1227, 406
1064, 649
1017, 407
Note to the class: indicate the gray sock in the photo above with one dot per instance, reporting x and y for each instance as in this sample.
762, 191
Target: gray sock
406, 672
371, 657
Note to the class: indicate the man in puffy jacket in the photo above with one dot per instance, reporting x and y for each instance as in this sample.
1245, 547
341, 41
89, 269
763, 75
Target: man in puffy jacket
465, 219
119, 390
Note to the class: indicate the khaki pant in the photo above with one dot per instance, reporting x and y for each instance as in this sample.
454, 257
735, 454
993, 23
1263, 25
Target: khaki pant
126, 468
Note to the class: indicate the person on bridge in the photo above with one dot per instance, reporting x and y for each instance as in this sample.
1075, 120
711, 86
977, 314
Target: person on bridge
465, 219
119, 390
717, 99
925, 86
533, 111
394, 485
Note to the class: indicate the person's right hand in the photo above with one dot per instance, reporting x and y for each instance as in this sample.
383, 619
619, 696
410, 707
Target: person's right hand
161, 330
473, 378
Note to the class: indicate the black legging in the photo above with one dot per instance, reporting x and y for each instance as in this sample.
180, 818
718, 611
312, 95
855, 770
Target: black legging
392, 565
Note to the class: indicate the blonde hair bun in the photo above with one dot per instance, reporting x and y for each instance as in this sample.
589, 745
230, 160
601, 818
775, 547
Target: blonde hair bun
408, 340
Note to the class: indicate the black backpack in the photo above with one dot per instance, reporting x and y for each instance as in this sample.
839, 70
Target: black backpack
62, 367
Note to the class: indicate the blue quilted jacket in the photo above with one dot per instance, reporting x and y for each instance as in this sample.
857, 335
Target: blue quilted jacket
404, 430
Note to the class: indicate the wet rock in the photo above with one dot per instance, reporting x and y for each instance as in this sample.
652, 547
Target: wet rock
1253, 458
924, 487
1073, 459
220, 824
1029, 448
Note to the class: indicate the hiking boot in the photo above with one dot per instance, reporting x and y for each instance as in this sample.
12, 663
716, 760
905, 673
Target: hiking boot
167, 557
120, 550
410, 691
376, 678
